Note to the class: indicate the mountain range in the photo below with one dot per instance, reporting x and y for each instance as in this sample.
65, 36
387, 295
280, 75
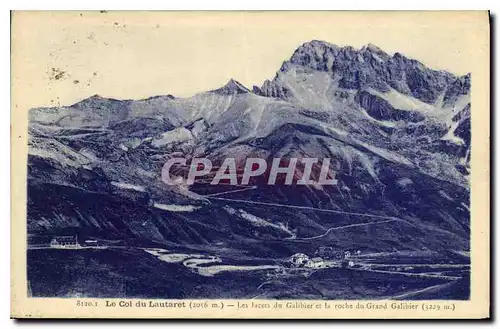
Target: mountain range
398, 132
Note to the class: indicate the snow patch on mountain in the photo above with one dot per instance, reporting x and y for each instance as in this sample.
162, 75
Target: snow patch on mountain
257, 221
308, 89
128, 186
450, 135
404, 102
178, 135
175, 207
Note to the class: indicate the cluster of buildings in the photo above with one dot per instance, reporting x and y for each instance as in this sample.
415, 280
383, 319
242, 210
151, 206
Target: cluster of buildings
71, 242
323, 257
302, 260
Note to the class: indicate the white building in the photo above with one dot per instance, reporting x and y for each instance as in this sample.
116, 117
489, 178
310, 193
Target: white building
316, 262
299, 259
65, 242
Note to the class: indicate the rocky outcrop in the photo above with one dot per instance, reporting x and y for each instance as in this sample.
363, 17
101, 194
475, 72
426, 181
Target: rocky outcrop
371, 67
381, 109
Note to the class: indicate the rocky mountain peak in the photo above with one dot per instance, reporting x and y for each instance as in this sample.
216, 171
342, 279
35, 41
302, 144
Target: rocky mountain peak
232, 87
368, 66
373, 48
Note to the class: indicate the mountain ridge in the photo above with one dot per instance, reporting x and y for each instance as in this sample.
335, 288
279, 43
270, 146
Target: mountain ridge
397, 132
257, 89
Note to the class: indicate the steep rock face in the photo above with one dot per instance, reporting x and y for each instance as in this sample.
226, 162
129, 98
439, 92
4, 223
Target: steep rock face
459, 87
397, 132
372, 67
381, 109
412, 104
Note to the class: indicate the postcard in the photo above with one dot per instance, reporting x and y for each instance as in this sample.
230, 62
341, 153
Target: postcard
266, 165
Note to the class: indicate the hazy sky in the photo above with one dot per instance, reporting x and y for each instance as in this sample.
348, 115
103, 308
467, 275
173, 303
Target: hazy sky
67, 56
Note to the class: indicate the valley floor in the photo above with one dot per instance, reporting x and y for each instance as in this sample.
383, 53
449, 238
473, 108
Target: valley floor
157, 273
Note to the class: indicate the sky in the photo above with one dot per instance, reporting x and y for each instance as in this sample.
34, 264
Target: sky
59, 58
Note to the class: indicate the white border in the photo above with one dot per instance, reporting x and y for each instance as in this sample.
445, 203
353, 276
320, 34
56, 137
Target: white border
7, 5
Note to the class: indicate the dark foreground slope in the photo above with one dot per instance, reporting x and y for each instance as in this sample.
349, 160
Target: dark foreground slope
132, 273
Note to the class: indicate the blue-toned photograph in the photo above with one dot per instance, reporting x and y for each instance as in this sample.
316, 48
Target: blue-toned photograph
343, 177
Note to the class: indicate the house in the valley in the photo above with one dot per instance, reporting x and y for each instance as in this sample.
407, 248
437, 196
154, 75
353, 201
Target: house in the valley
65, 242
299, 259
316, 262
